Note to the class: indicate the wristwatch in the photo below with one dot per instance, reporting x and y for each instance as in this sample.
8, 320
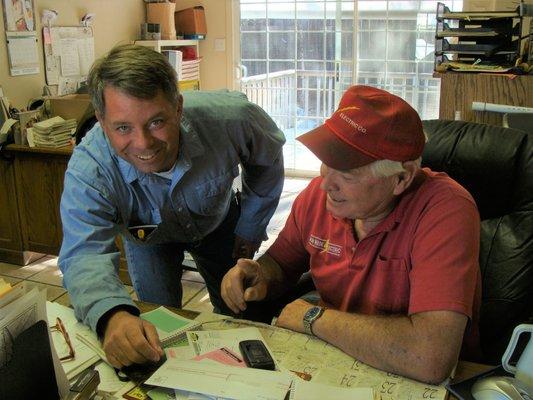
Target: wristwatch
310, 317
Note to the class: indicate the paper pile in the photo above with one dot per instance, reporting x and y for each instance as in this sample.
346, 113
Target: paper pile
54, 132
190, 70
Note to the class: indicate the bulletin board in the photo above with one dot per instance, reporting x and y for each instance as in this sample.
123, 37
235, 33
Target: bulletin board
68, 54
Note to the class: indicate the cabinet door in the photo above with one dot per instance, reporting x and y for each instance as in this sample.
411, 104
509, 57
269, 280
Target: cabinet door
11, 245
40, 184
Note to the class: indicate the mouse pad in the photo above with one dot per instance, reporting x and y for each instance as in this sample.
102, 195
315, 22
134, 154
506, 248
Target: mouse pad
138, 373
463, 389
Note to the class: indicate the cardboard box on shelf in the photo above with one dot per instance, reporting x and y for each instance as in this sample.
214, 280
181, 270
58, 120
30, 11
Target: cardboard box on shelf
162, 14
70, 106
191, 21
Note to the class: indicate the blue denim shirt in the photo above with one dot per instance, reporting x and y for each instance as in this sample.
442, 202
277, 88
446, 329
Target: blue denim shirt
103, 194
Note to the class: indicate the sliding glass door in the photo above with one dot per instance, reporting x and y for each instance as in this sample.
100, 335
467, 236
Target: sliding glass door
298, 57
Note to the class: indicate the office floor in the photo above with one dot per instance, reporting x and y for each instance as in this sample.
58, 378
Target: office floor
44, 273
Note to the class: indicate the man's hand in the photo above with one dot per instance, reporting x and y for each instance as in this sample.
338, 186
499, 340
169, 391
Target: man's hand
244, 282
244, 248
292, 315
130, 340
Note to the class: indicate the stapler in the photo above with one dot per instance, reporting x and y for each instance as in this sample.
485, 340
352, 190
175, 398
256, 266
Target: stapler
86, 386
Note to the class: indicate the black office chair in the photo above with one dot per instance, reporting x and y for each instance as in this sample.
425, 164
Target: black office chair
496, 166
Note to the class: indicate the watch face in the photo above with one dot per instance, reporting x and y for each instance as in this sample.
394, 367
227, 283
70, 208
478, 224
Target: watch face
310, 316
313, 312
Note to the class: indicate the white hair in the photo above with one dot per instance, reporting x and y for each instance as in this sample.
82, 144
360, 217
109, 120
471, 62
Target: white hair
386, 168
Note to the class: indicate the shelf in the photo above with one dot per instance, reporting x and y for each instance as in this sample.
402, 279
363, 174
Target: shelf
489, 37
159, 44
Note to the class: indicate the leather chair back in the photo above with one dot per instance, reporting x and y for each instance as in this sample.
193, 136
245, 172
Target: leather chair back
496, 166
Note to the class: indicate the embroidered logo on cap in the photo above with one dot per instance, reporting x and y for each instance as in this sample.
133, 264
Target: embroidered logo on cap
351, 122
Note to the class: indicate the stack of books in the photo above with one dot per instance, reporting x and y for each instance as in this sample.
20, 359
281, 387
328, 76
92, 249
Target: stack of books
54, 132
175, 58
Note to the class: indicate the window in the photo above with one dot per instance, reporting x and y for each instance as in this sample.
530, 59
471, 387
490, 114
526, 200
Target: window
299, 56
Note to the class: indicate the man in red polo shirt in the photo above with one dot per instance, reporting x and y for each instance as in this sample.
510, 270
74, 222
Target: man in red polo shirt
392, 248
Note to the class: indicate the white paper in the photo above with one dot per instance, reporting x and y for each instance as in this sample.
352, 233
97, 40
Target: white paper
221, 380
85, 355
303, 390
23, 56
7, 125
70, 62
67, 85
328, 365
205, 341
109, 381
86, 54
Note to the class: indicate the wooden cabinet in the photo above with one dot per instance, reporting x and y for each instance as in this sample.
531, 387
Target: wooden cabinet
32, 183
39, 177
11, 245
459, 90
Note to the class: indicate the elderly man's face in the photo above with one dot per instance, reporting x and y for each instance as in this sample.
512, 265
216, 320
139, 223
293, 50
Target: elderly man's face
144, 132
357, 193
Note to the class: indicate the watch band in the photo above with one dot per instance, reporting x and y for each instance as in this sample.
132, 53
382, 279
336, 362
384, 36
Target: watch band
310, 317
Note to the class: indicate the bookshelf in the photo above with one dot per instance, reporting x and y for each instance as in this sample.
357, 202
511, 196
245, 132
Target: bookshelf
161, 45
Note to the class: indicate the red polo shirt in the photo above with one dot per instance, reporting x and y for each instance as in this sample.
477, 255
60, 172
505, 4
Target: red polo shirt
422, 257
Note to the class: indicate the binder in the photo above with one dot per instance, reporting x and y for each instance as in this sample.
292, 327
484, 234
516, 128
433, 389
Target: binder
29, 372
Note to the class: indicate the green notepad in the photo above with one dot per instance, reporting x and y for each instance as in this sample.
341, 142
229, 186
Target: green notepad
170, 326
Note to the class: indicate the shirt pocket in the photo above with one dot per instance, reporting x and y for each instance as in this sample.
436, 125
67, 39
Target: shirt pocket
391, 286
149, 218
212, 197
151, 237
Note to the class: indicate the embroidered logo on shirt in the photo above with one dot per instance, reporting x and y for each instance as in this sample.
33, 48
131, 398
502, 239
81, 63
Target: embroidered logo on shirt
325, 245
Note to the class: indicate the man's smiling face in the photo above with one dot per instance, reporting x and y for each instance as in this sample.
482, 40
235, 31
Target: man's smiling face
144, 132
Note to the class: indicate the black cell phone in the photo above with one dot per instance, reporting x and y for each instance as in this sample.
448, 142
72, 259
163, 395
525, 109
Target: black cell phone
256, 355
138, 373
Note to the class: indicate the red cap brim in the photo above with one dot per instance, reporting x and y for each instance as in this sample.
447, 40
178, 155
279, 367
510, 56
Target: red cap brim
332, 151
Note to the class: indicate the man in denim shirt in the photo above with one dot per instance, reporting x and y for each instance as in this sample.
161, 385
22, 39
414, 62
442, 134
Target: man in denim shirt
160, 175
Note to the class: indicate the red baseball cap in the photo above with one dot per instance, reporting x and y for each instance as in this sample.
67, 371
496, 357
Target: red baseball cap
370, 124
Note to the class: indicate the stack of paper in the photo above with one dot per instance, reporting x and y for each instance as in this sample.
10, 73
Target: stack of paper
171, 327
54, 132
190, 70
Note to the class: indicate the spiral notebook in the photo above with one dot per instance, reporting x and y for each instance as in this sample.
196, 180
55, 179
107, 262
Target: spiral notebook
170, 327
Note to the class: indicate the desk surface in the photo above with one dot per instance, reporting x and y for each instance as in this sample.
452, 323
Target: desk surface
465, 369
66, 150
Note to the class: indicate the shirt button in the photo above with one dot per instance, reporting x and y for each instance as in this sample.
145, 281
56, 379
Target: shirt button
188, 226
180, 209
353, 249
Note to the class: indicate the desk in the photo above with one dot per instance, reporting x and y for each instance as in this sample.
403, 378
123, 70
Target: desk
32, 183
458, 91
30, 223
464, 370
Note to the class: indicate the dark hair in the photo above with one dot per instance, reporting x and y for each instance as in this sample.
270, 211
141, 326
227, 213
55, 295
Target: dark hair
135, 70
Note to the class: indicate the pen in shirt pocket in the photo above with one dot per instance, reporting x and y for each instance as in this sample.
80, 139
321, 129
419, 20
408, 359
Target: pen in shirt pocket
141, 232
